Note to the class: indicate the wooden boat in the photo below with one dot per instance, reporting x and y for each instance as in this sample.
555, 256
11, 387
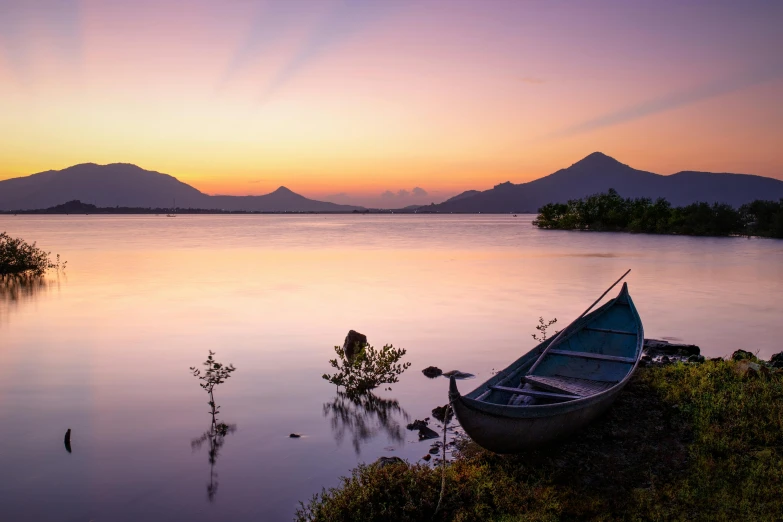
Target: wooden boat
560, 385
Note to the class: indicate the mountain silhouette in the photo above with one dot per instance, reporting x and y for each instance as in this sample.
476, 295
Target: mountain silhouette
599, 172
126, 185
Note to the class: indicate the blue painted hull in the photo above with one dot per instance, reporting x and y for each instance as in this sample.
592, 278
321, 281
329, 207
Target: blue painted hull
589, 365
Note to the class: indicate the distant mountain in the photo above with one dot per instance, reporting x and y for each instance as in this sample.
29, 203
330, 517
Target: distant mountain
126, 185
599, 172
463, 195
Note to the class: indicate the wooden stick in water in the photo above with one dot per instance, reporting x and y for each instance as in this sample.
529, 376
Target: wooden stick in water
564, 330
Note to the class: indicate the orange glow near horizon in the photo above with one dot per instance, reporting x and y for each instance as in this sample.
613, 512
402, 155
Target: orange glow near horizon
348, 99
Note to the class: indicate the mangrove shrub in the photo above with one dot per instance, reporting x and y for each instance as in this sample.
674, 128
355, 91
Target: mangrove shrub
368, 368
19, 257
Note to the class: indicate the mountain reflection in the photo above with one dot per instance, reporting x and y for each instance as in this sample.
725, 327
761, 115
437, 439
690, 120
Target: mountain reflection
215, 436
364, 417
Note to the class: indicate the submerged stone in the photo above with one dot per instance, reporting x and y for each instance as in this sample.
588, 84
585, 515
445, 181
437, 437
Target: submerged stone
425, 432
432, 372
440, 413
458, 374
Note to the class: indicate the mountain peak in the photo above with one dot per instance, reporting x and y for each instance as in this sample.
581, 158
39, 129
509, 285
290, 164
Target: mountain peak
283, 190
597, 159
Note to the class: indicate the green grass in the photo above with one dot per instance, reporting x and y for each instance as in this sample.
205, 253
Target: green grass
683, 442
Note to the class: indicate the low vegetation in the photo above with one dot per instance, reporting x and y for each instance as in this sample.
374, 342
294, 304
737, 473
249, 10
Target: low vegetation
683, 442
19, 257
367, 368
611, 212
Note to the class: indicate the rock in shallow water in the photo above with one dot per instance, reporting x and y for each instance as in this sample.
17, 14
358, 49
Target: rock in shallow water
432, 372
425, 432
440, 413
354, 342
458, 374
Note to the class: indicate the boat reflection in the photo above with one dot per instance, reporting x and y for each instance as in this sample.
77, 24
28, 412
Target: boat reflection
364, 417
215, 436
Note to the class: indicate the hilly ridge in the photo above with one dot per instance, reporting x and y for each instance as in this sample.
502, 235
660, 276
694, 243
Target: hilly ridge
599, 172
126, 185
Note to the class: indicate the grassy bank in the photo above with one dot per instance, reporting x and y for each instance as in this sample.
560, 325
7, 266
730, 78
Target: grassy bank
610, 212
683, 442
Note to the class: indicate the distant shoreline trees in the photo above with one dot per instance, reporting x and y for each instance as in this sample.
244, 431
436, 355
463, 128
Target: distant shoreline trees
610, 212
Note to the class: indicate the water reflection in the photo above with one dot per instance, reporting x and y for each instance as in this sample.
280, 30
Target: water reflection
16, 288
364, 417
215, 436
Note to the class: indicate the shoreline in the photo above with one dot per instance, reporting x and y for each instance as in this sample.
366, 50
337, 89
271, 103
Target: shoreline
684, 441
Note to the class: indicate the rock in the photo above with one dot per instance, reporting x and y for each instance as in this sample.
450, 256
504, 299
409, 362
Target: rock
427, 457
440, 412
696, 359
659, 346
354, 342
434, 451
294, 436
388, 461
425, 432
458, 374
665, 359
432, 372
741, 355
747, 368
646, 358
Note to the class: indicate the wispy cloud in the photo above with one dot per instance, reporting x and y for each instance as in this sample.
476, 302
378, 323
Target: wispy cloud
673, 100
343, 21
20, 20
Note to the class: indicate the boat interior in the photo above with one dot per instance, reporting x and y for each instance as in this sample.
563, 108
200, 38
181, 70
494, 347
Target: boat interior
594, 355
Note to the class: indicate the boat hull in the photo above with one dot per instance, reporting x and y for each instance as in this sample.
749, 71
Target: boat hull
491, 421
512, 434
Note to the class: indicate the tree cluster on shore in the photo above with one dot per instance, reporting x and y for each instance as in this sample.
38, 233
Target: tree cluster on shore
611, 212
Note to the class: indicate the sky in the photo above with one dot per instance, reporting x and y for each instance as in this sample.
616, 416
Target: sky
388, 102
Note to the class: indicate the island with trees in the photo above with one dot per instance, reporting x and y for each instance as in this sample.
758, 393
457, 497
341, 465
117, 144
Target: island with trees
610, 212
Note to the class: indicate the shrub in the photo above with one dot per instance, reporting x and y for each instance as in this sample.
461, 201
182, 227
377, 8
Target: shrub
19, 257
367, 369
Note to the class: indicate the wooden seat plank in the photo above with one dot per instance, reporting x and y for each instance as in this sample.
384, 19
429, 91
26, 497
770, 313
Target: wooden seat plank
589, 355
580, 387
535, 393
607, 330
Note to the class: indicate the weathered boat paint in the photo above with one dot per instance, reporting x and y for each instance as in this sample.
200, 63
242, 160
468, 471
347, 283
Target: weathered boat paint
491, 422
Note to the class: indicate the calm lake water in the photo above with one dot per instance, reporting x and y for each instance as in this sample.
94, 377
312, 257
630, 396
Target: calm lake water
104, 349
